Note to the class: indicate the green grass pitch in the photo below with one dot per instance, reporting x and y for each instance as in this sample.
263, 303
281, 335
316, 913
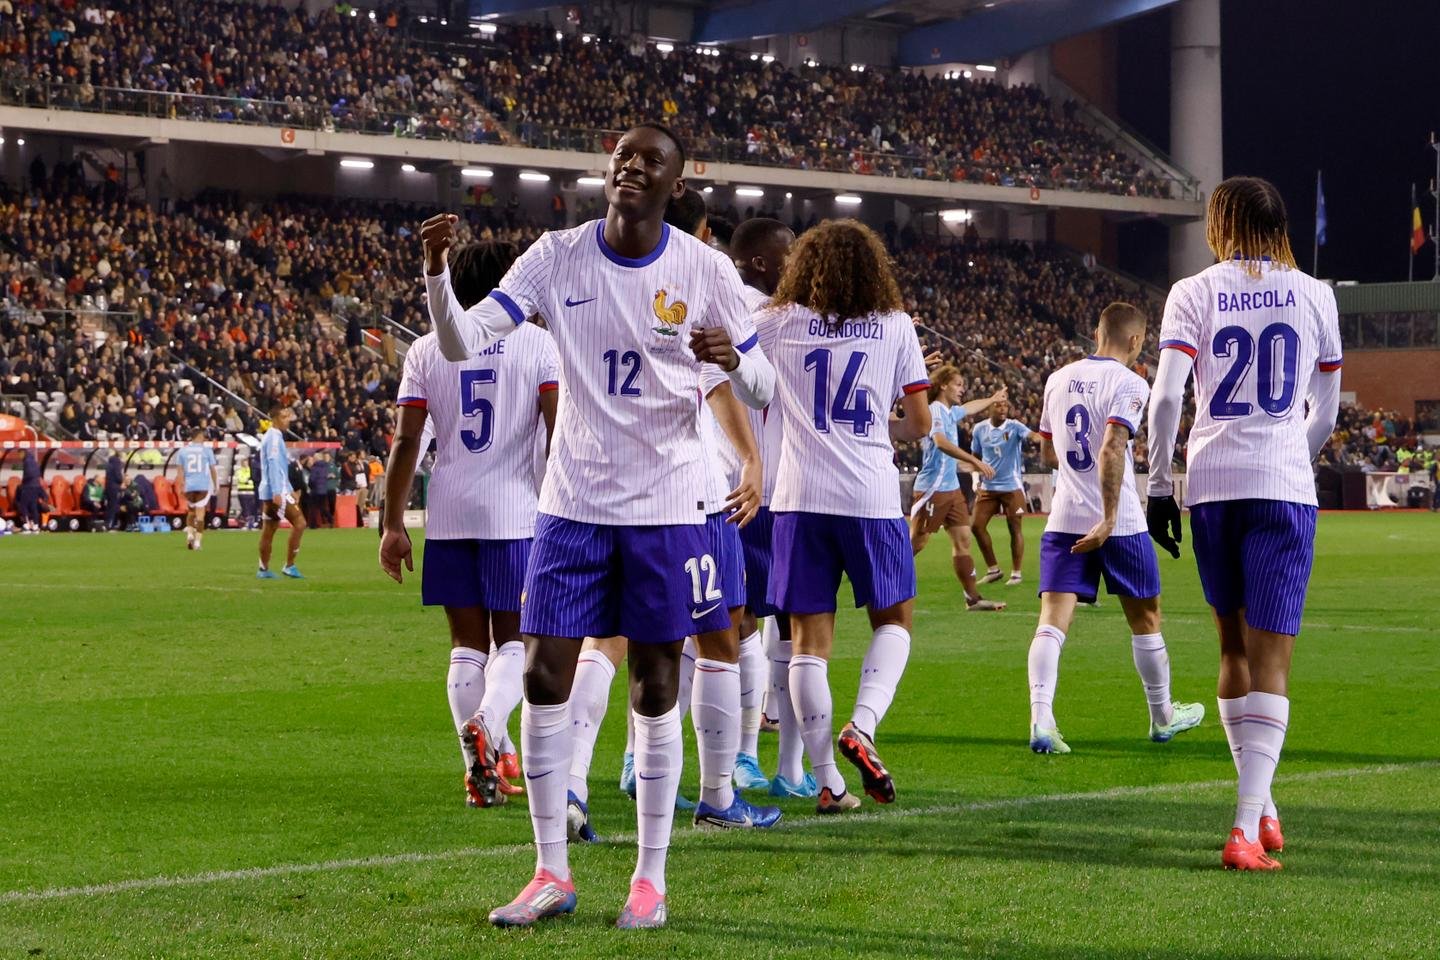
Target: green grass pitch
197, 764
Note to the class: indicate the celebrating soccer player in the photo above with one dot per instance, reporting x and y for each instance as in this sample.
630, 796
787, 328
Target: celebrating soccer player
480, 513
845, 353
1263, 339
620, 545
1096, 526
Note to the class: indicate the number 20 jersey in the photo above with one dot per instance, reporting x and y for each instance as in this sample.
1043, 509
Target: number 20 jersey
1256, 342
485, 412
1081, 399
835, 384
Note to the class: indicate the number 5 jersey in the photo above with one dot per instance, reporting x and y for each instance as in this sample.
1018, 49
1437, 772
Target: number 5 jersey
1257, 341
485, 414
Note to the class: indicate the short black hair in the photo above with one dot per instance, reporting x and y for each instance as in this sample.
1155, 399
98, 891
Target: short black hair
750, 235
686, 211
477, 268
721, 230
674, 138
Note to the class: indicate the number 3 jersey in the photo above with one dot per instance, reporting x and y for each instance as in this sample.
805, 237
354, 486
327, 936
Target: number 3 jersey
1081, 399
835, 383
485, 413
1256, 342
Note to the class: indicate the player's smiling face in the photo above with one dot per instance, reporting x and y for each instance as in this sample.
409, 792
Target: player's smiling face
644, 174
999, 410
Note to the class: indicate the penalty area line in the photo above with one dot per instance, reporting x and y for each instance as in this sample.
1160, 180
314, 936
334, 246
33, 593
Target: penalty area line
166, 882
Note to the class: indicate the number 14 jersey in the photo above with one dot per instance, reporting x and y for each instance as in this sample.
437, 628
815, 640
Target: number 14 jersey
1081, 399
485, 412
835, 384
1256, 342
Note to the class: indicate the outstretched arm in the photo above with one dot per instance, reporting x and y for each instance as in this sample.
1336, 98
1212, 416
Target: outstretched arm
972, 407
971, 462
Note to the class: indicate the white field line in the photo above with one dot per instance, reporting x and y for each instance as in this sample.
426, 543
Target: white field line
517, 849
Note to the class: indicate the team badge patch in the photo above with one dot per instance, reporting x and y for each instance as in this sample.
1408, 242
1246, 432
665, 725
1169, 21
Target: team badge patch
670, 316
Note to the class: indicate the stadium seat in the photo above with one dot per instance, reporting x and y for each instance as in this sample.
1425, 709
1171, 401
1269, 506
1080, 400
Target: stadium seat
12, 488
64, 505
5, 510
168, 498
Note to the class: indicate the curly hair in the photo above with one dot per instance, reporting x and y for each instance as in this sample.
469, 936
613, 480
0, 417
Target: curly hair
477, 268
1246, 219
840, 270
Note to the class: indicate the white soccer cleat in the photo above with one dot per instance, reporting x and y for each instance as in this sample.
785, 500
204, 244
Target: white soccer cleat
1015, 580
991, 576
1184, 716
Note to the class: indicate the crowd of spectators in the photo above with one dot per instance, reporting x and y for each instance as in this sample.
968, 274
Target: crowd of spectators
344, 70
1377, 441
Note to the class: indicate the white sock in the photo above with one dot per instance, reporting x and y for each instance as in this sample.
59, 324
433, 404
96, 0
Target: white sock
791, 762
657, 778
589, 696
1231, 710
810, 693
880, 676
753, 681
687, 676
545, 735
769, 644
506, 744
629, 723
715, 712
1152, 662
504, 686
465, 687
1044, 674
1267, 716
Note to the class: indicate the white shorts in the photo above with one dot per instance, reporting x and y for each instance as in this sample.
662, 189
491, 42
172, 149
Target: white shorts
197, 504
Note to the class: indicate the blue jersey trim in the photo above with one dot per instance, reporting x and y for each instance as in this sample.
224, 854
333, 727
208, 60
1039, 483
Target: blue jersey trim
511, 307
749, 344
644, 261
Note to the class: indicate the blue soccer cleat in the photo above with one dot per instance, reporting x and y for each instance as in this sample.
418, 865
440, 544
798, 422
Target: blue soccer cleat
806, 789
293, 572
741, 815
577, 821
263, 574
543, 897
627, 776
747, 773
681, 803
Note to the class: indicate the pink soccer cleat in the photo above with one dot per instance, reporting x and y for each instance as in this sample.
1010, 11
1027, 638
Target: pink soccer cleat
644, 908
543, 897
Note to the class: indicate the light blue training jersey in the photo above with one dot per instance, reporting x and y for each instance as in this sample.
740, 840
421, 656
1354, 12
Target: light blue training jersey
195, 462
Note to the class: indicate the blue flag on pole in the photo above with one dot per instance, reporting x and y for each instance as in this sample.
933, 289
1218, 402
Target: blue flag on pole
1319, 211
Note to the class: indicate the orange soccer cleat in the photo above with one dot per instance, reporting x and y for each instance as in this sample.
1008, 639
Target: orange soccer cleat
1270, 836
512, 781
1242, 854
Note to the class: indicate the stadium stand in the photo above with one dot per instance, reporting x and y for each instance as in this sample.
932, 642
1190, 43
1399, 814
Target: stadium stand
253, 63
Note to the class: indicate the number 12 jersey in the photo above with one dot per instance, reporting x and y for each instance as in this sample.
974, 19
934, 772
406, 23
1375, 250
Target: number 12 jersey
1256, 342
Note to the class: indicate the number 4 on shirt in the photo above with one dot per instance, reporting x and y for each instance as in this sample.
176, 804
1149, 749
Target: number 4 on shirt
850, 404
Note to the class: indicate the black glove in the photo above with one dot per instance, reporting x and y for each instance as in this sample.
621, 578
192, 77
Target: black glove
1162, 515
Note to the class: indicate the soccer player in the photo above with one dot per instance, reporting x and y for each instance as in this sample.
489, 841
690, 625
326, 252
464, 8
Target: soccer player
1001, 440
486, 412
712, 689
845, 353
198, 481
277, 498
938, 500
760, 247
1097, 527
620, 545
1263, 340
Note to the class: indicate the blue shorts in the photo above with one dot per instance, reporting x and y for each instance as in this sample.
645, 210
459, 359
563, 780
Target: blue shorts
1128, 565
1255, 555
812, 550
729, 558
474, 573
654, 584
756, 539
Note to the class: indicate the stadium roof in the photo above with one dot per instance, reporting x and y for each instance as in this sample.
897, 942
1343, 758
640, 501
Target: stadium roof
931, 31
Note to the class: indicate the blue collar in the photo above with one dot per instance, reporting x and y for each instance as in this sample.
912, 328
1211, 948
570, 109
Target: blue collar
1094, 357
644, 261
1241, 256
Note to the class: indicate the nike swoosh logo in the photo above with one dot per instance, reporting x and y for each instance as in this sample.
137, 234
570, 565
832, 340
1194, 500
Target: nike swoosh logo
657, 776
537, 776
713, 606
576, 303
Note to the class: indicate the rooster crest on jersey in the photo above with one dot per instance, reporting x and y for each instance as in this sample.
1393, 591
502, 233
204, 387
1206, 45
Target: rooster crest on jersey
671, 316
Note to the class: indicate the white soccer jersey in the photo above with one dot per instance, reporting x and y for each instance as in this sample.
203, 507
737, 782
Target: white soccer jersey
1256, 343
835, 385
764, 424
485, 413
627, 447
1081, 398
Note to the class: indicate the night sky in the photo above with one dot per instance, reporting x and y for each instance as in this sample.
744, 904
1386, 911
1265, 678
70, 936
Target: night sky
1347, 87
